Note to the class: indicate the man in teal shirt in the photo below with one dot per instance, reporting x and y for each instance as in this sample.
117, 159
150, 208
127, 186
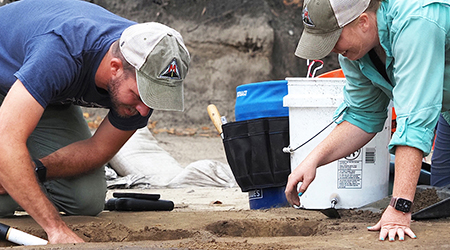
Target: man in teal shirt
389, 50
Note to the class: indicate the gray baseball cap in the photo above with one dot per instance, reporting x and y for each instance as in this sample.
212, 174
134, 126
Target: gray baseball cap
323, 21
161, 60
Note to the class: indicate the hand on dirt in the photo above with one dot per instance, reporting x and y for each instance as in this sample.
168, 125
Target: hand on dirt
302, 174
394, 223
64, 235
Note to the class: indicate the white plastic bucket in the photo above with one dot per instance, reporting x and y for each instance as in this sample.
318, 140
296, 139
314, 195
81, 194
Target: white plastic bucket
356, 180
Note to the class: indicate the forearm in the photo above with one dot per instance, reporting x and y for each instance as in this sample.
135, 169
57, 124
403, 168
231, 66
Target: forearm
84, 156
75, 159
19, 180
337, 144
408, 162
407, 169
16, 172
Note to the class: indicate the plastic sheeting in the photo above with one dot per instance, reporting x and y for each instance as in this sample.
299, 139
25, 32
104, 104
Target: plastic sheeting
141, 163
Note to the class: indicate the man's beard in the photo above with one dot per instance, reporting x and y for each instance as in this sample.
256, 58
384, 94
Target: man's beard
113, 90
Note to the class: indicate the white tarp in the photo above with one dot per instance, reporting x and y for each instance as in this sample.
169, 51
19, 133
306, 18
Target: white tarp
142, 163
205, 173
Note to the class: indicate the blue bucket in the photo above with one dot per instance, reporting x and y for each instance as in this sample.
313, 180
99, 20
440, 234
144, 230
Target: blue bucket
259, 100
267, 198
263, 100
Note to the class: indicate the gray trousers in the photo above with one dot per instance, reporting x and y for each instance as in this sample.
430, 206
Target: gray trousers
59, 126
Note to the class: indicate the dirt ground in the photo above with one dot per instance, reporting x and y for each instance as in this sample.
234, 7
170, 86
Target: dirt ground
220, 218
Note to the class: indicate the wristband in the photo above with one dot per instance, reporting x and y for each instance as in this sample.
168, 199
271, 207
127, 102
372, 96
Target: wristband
41, 170
401, 204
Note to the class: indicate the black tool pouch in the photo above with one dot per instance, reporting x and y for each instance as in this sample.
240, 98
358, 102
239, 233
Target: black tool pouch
254, 151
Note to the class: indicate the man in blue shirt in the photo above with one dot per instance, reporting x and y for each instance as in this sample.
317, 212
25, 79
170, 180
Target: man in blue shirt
410, 40
56, 55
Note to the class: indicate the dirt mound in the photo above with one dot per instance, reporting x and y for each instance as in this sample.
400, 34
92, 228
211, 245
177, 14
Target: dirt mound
263, 228
425, 198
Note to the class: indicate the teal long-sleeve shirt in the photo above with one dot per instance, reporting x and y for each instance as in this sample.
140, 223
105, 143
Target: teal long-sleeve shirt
416, 38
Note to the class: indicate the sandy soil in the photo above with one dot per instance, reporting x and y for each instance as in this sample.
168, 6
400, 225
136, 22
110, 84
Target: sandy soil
220, 218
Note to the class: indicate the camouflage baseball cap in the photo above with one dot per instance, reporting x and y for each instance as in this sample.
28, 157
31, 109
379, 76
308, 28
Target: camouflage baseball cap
323, 21
161, 60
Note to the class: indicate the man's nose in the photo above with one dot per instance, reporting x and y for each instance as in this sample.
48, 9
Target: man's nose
142, 109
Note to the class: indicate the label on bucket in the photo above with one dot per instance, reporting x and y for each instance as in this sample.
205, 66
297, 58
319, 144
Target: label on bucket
350, 168
255, 194
350, 171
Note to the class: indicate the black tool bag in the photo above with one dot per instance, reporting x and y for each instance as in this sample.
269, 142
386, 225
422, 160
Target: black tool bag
254, 150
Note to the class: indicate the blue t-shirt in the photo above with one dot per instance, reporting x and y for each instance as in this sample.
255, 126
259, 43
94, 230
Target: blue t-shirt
54, 47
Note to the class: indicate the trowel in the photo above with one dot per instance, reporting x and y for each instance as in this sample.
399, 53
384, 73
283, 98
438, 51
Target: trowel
440, 209
331, 212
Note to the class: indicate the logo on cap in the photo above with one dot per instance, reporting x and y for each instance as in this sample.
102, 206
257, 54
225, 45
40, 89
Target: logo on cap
306, 18
171, 71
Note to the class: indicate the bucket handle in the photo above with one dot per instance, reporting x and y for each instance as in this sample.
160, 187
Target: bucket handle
289, 150
310, 65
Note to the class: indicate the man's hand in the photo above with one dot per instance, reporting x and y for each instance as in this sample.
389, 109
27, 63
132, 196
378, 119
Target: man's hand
63, 235
303, 173
394, 223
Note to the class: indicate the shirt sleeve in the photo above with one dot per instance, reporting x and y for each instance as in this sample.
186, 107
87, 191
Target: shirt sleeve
48, 68
419, 74
128, 123
366, 103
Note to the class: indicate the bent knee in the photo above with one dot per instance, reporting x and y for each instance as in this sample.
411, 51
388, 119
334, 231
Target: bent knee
92, 208
90, 204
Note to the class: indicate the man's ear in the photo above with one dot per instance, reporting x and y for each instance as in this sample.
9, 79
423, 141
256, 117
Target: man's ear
364, 21
116, 67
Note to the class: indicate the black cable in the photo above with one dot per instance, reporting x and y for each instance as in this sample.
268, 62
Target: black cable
289, 150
